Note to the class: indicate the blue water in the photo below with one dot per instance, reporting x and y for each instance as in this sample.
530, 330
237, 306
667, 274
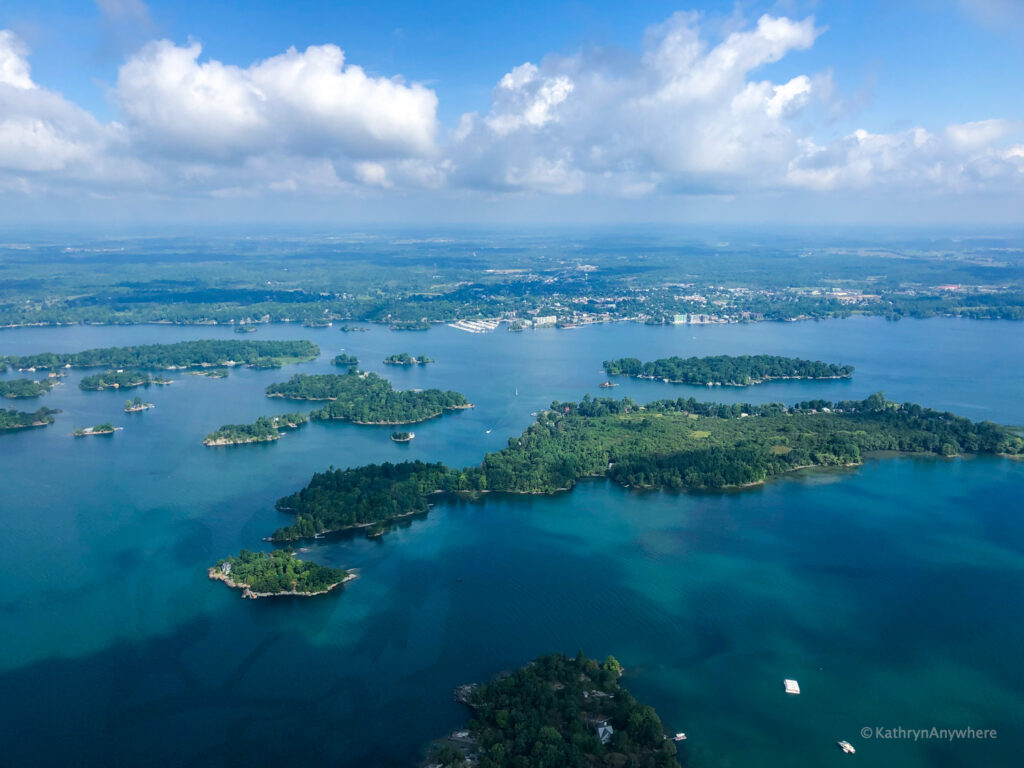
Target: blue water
890, 591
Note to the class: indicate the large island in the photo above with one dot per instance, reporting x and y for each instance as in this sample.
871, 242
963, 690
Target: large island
181, 354
366, 398
676, 444
14, 419
277, 573
119, 380
556, 711
25, 388
727, 370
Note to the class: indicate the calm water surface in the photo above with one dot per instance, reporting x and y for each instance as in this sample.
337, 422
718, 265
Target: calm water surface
891, 592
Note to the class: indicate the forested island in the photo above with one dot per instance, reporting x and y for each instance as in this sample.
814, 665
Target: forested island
366, 398
404, 358
402, 437
264, 429
349, 362
14, 419
557, 712
210, 373
727, 370
25, 388
119, 380
676, 444
277, 573
181, 354
137, 405
106, 428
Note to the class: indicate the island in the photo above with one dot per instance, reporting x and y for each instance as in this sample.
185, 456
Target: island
672, 444
119, 380
210, 373
404, 358
727, 370
276, 574
25, 388
264, 429
179, 355
106, 428
349, 362
137, 405
402, 437
247, 328
352, 329
366, 398
556, 711
13, 419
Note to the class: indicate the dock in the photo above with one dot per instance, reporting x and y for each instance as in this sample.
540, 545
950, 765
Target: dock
792, 686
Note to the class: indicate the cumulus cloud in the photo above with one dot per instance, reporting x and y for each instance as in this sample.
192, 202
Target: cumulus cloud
307, 103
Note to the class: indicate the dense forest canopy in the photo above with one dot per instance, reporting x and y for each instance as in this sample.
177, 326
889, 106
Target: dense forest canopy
14, 419
738, 370
181, 354
546, 715
265, 428
25, 388
279, 571
674, 444
119, 380
366, 398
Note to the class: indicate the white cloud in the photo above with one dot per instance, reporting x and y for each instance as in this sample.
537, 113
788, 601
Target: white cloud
14, 69
308, 103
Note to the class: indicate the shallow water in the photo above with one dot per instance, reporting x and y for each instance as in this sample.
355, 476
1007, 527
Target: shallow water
890, 591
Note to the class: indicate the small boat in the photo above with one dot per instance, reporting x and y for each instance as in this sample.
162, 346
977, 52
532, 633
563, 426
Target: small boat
847, 747
679, 737
792, 686
487, 431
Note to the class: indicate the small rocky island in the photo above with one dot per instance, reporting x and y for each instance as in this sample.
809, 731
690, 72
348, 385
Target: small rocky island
277, 574
726, 370
137, 405
402, 437
106, 428
556, 711
264, 429
210, 373
404, 358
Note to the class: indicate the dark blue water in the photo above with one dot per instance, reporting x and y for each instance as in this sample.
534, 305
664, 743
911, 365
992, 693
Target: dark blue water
890, 591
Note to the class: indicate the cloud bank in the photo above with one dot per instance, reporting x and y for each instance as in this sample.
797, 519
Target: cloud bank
687, 115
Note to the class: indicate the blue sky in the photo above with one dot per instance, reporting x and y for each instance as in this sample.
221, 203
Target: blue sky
860, 112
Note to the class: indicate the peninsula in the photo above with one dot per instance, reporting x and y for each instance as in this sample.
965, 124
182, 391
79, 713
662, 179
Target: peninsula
119, 380
366, 398
179, 355
277, 574
674, 444
404, 358
13, 419
726, 370
264, 429
25, 388
556, 711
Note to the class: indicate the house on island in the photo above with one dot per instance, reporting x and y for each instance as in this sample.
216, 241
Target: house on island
225, 568
604, 731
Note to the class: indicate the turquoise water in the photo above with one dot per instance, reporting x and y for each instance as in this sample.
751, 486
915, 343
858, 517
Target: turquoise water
891, 592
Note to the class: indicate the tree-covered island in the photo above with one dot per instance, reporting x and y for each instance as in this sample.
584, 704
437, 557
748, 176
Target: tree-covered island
404, 358
179, 355
675, 444
403, 437
264, 429
349, 362
727, 370
106, 428
277, 573
14, 419
137, 405
366, 398
210, 373
25, 388
119, 380
556, 712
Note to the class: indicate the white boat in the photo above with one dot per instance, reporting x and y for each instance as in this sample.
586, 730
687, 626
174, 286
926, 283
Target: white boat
847, 747
679, 737
792, 686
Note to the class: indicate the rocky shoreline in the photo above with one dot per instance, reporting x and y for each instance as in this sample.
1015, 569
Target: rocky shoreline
216, 574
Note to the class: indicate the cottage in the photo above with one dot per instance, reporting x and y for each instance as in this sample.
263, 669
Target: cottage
604, 731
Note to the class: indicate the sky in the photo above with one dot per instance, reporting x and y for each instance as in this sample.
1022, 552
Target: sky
784, 113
